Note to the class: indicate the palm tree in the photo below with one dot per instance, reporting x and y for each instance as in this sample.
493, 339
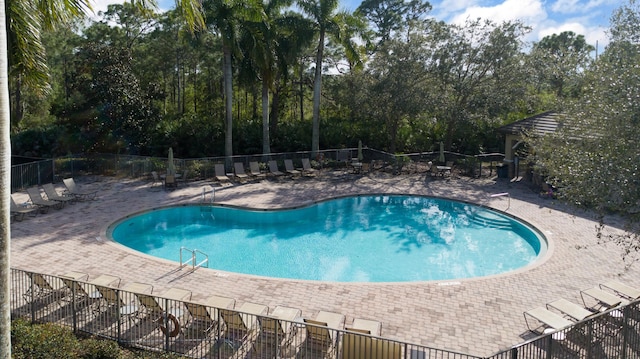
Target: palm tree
327, 21
224, 18
270, 47
26, 20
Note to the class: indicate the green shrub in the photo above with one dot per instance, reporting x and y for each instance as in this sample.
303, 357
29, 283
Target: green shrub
35, 341
92, 348
42, 341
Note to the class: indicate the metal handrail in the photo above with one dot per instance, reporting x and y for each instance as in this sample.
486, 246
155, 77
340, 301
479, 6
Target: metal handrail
188, 261
204, 261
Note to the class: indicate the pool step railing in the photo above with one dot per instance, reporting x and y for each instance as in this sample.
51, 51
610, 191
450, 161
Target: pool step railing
212, 197
503, 194
192, 259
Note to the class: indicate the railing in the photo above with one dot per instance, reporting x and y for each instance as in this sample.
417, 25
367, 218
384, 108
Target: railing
204, 168
193, 329
152, 322
31, 174
193, 258
614, 333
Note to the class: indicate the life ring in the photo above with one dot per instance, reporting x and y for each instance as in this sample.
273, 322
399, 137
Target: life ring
176, 326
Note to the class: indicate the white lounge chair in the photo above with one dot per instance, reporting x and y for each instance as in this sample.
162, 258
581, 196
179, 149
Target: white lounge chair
239, 172
547, 319
288, 167
20, 211
53, 195
74, 190
273, 169
221, 174
36, 199
254, 169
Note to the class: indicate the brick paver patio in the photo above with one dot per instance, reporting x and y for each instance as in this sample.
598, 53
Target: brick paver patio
476, 316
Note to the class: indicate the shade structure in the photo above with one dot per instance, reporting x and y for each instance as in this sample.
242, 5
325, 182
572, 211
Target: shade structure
171, 167
360, 151
441, 159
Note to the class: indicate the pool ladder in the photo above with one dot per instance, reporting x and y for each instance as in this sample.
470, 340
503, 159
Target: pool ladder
503, 194
192, 259
212, 198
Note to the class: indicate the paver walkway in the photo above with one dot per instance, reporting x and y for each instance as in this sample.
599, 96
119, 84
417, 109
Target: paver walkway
475, 316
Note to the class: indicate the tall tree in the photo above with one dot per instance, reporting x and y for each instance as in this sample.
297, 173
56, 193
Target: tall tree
559, 60
26, 22
392, 16
327, 21
473, 67
594, 158
224, 18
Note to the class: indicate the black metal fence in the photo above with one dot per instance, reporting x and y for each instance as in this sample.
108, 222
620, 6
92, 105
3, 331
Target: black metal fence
215, 328
614, 333
134, 316
32, 173
204, 168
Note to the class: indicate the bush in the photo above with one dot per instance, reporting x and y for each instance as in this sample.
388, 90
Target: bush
42, 341
35, 341
92, 348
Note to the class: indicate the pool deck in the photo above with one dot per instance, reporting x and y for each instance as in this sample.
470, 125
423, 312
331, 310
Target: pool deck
475, 316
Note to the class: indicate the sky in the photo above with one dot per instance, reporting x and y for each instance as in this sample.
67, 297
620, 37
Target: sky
584, 17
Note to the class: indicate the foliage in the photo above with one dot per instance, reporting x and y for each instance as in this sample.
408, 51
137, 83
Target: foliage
42, 341
594, 159
559, 61
34, 341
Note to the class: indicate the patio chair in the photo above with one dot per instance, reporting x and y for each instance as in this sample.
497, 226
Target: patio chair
44, 204
150, 308
254, 170
622, 290
155, 180
183, 178
241, 328
74, 190
569, 309
221, 174
288, 167
306, 167
277, 331
78, 291
204, 317
320, 340
546, 319
273, 169
44, 290
355, 346
239, 172
20, 211
53, 195
170, 182
366, 326
603, 300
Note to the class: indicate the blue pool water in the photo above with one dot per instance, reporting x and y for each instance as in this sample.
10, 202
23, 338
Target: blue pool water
377, 238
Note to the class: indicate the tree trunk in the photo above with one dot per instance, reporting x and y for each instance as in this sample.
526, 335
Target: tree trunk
317, 87
5, 184
266, 146
228, 105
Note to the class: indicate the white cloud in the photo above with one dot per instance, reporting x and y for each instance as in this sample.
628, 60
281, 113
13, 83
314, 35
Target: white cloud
594, 35
527, 11
578, 7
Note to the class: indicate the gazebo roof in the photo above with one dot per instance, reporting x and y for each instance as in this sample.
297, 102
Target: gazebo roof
541, 124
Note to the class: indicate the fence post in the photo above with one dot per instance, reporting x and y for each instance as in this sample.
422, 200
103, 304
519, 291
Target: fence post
32, 307
625, 330
514, 353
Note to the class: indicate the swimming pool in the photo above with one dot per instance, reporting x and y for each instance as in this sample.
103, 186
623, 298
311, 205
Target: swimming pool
373, 238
